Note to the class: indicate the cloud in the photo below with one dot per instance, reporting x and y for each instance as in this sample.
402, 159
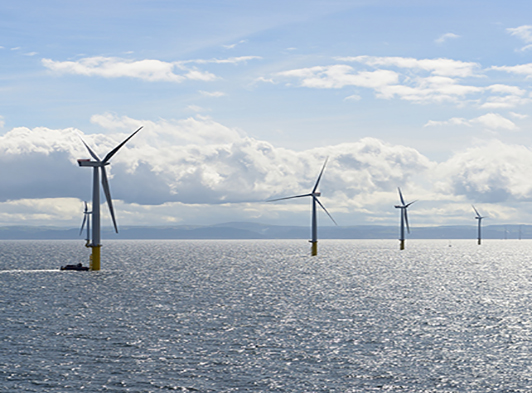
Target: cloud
524, 33
420, 81
430, 89
338, 76
505, 96
518, 115
353, 97
230, 60
112, 67
148, 70
492, 121
195, 108
215, 94
522, 69
425, 80
444, 37
440, 67
455, 121
193, 161
493, 172
495, 121
40, 211
196, 170
232, 46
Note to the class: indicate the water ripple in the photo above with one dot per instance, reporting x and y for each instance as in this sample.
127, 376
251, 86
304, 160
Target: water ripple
262, 316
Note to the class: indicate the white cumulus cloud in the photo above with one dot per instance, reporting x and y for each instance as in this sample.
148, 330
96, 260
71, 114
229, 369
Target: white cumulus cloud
194, 169
493, 172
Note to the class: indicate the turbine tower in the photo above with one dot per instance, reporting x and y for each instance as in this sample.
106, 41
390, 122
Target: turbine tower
99, 165
86, 219
479, 218
404, 219
314, 195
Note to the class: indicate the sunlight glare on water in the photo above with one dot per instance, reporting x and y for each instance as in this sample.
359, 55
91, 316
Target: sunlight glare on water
221, 316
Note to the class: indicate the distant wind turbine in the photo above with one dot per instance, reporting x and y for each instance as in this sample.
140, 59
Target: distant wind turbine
86, 219
404, 219
314, 194
99, 165
479, 218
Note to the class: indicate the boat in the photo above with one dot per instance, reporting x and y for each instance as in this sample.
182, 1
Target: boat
79, 267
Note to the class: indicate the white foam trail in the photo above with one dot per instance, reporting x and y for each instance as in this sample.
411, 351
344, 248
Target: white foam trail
28, 271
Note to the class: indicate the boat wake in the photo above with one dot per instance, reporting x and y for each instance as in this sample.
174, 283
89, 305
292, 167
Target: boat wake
28, 271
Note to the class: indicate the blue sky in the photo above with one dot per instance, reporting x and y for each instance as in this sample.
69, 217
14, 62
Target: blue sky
242, 101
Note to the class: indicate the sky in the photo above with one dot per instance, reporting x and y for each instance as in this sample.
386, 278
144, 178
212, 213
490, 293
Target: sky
243, 101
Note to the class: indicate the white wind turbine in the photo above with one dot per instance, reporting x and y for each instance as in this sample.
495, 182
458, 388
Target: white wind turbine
314, 194
404, 219
99, 165
86, 219
479, 218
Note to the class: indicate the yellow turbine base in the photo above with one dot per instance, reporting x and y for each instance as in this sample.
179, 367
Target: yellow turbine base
95, 258
314, 249
402, 245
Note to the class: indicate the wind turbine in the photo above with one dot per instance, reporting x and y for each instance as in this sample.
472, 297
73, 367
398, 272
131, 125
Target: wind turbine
314, 195
479, 218
99, 165
86, 219
404, 218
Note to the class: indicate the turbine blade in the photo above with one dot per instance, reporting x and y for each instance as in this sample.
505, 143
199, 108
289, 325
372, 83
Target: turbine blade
323, 207
411, 203
406, 220
93, 154
319, 177
401, 196
290, 197
112, 152
89, 227
83, 224
107, 192
476, 211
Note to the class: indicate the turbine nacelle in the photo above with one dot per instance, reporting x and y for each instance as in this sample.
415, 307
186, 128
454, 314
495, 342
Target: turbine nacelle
478, 217
88, 162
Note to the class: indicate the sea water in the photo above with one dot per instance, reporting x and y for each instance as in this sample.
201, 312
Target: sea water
264, 316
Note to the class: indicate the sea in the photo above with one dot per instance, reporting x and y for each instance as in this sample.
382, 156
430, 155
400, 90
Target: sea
265, 316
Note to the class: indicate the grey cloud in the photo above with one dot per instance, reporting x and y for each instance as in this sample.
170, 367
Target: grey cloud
38, 175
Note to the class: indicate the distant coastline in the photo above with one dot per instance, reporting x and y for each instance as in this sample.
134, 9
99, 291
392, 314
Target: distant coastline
248, 230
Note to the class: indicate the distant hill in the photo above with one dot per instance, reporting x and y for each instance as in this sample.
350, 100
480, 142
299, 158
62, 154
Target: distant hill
248, 230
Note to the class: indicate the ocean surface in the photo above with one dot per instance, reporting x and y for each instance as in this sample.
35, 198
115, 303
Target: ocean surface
264, 316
